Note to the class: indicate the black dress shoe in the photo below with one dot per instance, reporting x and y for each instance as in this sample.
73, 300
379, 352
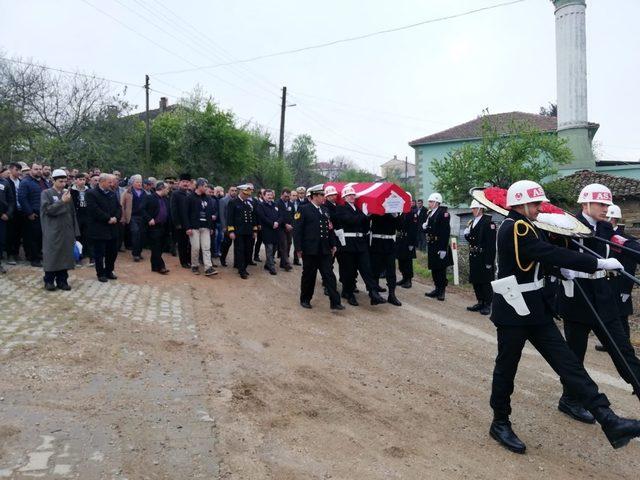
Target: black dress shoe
401, 282
273, 272
619, 431
103, 279
37, 264
223, 263
337, 306
376, 299
441, 296
244, 275
252, 263
575, 410
475, 308
485, 310
393, 300
185, 265
600, 348
355, 290
431, 294
325, 290
137, 258
305, 305
257, 259
406, 284
111, 276
49, 287
64, 286
502, 433
352, 301
380, 289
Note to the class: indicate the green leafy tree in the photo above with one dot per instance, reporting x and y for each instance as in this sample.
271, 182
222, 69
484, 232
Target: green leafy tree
499, 159
300, 158
268, 169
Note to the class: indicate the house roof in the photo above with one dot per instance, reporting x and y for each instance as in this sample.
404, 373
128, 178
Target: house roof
621, 187
500, 121
155, 112
395, 161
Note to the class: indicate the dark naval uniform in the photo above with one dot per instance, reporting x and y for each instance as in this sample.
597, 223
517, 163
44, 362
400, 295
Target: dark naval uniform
313, 235
602, 291
406, 244
383, 250
623, 285
438, 231
354, 256
241, 220
521, 311
482, 257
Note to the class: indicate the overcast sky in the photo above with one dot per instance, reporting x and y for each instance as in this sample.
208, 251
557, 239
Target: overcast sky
364, 99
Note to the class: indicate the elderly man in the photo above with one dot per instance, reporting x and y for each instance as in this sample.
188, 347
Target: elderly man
59, 232
104, 212
285, 228
223, 203
155, 212
132, 215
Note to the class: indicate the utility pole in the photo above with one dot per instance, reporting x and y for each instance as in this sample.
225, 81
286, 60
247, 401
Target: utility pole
283, 109
147, 143
406, 171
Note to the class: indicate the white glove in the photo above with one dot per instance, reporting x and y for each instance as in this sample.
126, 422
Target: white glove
624, 297
609, 264
488, 267
442, 254
467, 231
410, 248
424, 225
568, 274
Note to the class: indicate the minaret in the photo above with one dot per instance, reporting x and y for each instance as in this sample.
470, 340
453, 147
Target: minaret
571, 70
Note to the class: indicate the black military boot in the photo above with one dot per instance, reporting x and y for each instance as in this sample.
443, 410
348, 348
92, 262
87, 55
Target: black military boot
486, 308
433, 293
619, 431
351, 300
441, 294
392, 299
376, 299
401, 282
570, 407
406, 284
502, 433
475, 308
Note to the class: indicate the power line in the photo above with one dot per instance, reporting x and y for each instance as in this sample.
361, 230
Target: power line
348, 39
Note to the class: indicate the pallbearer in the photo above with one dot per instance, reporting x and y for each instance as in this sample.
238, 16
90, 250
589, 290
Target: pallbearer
481, 235
383, 251
406, 244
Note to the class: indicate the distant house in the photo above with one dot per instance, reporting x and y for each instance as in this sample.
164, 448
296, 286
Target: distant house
162, 108
404, 171
331, 169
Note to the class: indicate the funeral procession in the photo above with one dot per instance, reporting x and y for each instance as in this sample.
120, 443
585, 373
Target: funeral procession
286, 241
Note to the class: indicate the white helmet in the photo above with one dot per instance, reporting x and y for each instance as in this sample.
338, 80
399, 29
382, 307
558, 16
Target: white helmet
614, 211
330, 190
596, 192
525, 191
476, 204
435, 197
348, 191
58, 173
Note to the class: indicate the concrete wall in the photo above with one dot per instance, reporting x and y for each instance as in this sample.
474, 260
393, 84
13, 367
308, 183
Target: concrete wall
425, 154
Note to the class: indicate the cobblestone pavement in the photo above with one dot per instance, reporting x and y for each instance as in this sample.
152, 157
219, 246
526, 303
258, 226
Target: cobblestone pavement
94, 381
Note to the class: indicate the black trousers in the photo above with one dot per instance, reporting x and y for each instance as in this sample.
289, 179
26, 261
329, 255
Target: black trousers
484, 292
242, 250
577, 335
548, 340
625, 325
439, 278
225, 247
284, 247
136, 226
258, 244
405, 266
311, 264
349, 264
15, 230
105, 253
184, 246
157, 238
33, 240
384, 262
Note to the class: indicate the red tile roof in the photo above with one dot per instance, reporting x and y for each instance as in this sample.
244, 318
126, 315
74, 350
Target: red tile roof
621, 187
501, 121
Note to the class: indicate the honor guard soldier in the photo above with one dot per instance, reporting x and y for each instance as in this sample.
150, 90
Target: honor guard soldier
439, 257
521, 312
481, 235
602, 292
406, 244
330, 196
315, 243
353, 254
383, 251
242, 228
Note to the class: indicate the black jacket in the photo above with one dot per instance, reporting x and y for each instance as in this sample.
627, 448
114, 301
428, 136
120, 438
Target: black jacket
532, 248
197, 204
80, 204
285, 211
268, 214
180, 208
241, 217
601, 291
407, 235
482, 250
438, 230
101, 206
150, 208
353, 221
623, 285
312, 231
384, 225
7, 200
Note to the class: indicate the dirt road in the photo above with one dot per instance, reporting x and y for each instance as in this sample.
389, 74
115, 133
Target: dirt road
176, 377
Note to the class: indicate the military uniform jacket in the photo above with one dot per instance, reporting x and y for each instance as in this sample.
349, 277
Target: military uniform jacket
438, 230
525, 252
482, 250
313, 231
353, 221
241, 217
407, 235
623, 285
601, 291
386, 225
331, 208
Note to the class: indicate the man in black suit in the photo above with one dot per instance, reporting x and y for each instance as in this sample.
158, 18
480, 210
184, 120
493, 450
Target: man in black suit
155, 215
437, 227
16, 222
104, 211
406, 246
179, 204
315, 243
285, 228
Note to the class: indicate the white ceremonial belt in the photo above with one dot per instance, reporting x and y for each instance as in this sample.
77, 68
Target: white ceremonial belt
592, 276
383, 236
511, 291
353, 235
531, 286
